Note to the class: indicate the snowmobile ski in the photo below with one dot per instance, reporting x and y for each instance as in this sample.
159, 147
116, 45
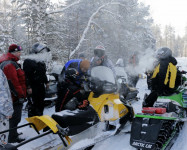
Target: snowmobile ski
90, 137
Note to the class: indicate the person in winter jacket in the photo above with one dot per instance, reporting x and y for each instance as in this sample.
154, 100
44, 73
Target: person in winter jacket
36, 79
101, 59
70, 93
80, 65
133, 62
163, 80
73, 110
16, 79
6, 107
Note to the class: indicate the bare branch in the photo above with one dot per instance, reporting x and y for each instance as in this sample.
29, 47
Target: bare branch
89, 23
97, 25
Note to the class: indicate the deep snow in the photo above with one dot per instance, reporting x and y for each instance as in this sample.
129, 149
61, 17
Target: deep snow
119, 142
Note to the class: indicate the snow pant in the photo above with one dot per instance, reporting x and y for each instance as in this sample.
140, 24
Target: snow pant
4, 125
77, 120
36, 101
150, 99
14, 121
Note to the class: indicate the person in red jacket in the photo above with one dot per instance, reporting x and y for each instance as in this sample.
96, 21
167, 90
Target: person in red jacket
16, 79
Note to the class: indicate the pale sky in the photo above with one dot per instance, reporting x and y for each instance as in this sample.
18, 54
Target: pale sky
169, 12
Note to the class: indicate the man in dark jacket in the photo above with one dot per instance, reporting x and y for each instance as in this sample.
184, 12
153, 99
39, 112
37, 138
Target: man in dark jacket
164, 76
35, 71
70, 93
16, 79
80, 65
74, 112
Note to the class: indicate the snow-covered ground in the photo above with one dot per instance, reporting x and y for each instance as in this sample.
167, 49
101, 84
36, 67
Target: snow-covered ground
118, 142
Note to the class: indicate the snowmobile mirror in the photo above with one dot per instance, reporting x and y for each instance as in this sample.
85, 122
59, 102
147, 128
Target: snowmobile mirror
120, 80
86, 86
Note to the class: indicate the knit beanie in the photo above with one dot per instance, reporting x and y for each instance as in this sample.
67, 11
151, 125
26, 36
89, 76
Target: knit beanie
14, 48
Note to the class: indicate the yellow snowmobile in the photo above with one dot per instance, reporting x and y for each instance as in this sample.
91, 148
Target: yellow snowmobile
105, 116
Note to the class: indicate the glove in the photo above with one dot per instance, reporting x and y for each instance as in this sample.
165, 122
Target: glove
22, 100
84, 104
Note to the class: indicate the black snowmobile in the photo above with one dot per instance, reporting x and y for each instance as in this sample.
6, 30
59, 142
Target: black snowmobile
51, 93
157, 127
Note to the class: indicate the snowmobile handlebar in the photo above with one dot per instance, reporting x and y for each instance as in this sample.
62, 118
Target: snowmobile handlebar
183, 72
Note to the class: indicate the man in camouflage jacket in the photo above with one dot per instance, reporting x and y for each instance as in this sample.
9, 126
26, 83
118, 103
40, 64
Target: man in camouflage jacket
6, 107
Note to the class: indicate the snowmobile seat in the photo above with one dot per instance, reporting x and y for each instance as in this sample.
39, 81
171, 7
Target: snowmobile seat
76, 121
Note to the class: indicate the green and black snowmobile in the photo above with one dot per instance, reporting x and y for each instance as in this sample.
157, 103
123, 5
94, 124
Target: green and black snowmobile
157, 127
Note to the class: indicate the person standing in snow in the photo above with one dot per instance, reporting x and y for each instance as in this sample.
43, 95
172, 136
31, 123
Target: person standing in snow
133, 62
101, 59
37, 82
163, 80
6, 107
16, 79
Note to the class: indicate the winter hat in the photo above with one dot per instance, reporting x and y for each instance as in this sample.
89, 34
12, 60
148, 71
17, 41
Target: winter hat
14, 48
81, 55
85, 64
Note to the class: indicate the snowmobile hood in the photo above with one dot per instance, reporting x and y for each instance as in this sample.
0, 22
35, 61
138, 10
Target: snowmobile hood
108, 106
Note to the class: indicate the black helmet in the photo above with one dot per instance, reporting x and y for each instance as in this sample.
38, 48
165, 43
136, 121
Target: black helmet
71, 74
39, 47
99, 51
163, 53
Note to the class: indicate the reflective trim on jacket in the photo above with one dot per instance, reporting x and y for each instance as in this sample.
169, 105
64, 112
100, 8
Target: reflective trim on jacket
171, 74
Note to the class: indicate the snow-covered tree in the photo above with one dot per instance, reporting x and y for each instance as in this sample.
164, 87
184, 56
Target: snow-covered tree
121, 26
5, 25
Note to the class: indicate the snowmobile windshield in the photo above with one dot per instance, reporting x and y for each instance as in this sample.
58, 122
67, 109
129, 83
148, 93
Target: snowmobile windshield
103, 73
103, 80
120, 72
